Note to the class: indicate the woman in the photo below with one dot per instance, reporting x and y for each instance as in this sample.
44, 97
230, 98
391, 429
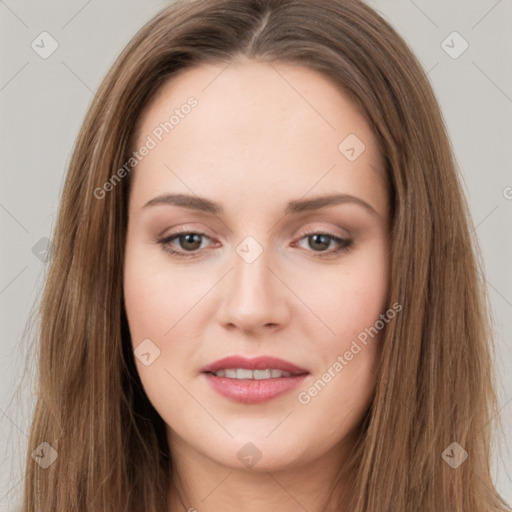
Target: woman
271, 298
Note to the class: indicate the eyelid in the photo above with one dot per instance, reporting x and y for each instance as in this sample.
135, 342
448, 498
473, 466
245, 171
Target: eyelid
184, 228
188, 228
331, 231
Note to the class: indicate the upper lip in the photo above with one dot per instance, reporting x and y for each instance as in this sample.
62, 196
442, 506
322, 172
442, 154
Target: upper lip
257, 363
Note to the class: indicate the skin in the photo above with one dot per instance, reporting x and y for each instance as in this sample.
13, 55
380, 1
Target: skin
260, 136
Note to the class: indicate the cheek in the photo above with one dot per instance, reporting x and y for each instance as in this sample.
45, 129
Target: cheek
150, 309
337, 396
350, 300
156, 296
159, 306
349, 297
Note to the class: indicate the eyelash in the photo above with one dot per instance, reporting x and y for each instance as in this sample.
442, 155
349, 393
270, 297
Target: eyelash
344, 244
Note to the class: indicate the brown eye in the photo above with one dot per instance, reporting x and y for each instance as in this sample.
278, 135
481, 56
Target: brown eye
319, 241
190, 241
319, 244
185, 244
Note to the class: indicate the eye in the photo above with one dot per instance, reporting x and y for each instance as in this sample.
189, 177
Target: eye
190, 242
318, 242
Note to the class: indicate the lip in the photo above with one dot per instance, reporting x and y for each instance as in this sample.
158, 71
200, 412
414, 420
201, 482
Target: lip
257, 363
253, 391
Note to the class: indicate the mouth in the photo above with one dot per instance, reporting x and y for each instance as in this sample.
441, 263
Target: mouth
253, 381
244, 373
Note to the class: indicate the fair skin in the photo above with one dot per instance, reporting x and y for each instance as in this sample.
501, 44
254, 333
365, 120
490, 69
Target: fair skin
252, 144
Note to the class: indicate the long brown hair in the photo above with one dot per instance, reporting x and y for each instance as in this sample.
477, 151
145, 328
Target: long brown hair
435, 383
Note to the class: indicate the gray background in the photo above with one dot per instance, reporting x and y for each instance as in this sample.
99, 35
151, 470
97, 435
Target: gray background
43, 102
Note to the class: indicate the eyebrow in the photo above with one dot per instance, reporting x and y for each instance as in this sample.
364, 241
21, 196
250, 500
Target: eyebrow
292, 207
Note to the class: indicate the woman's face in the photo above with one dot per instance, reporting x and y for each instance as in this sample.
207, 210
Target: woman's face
239, 161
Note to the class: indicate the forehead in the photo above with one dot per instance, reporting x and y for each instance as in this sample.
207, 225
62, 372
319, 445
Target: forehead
256, 126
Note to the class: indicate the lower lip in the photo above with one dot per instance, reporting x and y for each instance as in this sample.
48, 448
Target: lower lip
252, 391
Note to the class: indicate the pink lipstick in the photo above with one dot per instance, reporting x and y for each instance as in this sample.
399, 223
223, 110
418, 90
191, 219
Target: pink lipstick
252, 381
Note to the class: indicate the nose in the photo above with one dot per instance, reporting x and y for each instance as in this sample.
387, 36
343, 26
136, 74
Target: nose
254, 299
